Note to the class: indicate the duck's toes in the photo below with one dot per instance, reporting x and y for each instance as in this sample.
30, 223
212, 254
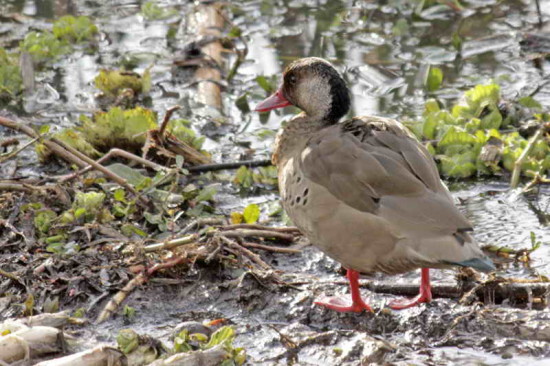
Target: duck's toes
338, 304
401, 304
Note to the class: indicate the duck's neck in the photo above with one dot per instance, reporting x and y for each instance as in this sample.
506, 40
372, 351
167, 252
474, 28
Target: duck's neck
293, 137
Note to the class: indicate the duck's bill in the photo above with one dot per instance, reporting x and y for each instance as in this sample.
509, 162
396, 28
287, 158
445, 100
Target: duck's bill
275, 101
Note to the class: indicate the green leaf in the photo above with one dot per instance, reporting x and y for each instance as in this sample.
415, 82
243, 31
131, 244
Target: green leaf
44, 46
222, 335
129, 229
456, 41
11, 82
251, 213
115, 82
198, 337
242, 103
265, 84
120, 195
122, 128
454, 136
492, 121
459, 165
400, 27
151, 11
265, 133
206, 194
535, 244
79, 212
181, 345
235, 32
129, 312
480, 97
43, 220
79, 313
132, 176
127, 339
44, 129
529, 102
431, 106
181, 129
435, 78
429, 127
74, 30
243, 177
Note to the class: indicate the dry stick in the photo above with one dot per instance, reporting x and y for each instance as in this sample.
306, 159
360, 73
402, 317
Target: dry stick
537, 179
289, 229
15, 187
235, 165
113, 153
166, 264
517, 165
167, 117
171, 243
25, 187
9, 142
53, 146
203, 222
9, 275
247, 233
139, 280
251, 255
271, 248
120, 296
14, 153
114, 177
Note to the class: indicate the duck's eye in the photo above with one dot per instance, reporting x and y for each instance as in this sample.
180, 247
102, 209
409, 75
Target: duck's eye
292, 79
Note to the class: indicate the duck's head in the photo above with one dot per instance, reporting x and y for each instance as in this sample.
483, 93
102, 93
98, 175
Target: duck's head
313, 85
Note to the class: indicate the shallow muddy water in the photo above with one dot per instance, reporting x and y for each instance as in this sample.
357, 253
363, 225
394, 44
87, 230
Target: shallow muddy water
383, 53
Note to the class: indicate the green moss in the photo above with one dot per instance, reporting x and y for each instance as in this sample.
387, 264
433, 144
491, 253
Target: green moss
71, 138
180, 129
74, 29
118, 128
152, 11
113, 82
44, 46
11, 82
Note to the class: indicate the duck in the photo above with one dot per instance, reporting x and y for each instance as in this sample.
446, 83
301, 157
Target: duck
364, 191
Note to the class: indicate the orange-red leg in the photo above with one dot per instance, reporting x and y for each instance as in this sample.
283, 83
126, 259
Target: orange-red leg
338, 304
425, 294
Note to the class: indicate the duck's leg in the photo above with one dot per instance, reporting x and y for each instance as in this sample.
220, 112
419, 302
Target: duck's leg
425, 294
339, 304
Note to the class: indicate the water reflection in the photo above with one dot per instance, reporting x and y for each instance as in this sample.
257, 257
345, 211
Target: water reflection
40, 8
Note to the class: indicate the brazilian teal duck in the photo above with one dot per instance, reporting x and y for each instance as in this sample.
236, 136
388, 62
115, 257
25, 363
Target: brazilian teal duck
364, 191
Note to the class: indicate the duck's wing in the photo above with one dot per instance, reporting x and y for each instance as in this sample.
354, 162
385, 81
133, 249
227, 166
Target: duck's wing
375, 165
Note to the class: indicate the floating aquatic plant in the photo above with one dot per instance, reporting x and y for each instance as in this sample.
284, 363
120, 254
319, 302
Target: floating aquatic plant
118, 128
113, 82
461, 137
46, 46
74, 29
11, 82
